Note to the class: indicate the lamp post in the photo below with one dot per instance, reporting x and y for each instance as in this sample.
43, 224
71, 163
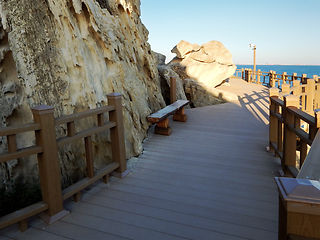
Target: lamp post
254, 59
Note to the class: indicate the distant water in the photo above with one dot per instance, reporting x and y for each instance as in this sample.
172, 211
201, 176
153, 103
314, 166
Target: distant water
299, 69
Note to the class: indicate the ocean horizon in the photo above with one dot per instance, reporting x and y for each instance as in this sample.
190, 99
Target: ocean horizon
310, 70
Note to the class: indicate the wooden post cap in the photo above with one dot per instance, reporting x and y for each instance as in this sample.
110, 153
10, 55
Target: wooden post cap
291, 100
299, 189
42, 109
114, 95
310, 80
285, 87
274, 92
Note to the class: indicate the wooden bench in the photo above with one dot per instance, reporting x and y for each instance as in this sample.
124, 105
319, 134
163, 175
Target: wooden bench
161, 117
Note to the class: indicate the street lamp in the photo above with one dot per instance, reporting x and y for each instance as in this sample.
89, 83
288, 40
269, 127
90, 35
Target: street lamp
254, 59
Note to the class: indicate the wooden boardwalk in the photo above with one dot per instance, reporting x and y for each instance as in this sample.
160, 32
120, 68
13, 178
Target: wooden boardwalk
211, 179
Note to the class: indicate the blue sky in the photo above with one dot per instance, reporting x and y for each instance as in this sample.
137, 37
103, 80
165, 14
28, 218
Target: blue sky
284, 31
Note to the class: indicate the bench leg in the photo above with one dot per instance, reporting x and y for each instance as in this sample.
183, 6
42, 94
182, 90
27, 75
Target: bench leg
180, 115
163, 128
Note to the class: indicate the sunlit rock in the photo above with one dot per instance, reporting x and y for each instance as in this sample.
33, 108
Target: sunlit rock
209, 64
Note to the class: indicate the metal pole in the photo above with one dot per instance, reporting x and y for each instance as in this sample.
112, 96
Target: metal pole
254, 61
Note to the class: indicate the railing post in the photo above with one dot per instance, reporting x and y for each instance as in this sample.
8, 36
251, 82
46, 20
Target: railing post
249, 75
246, 75
117, 135
242, 74
304, 78
258, 76
297, 91
272, 81
173, 89
310, 95
275, 79
289, 139
285, 88
313, 129
284, 78
273, 121
49, 169
294, 76
316, 93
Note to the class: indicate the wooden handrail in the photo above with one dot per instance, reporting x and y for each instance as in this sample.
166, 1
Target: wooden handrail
46, 149
81, 115
13, 130
85, 133
24, 152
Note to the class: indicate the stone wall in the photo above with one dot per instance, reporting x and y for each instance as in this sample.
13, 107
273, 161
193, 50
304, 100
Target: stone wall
70, 54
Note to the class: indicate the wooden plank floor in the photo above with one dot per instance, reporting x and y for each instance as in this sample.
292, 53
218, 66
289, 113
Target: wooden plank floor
211, 179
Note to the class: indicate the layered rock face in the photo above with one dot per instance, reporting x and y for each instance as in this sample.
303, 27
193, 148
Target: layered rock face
70, 54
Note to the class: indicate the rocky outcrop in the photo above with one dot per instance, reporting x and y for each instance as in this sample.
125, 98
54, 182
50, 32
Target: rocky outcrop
201, 95
70, 54
165, 72
208, 64
198, 70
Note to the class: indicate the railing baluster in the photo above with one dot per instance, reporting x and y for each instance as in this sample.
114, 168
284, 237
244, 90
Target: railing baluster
89, 157
100, 119
12, 143
71, 129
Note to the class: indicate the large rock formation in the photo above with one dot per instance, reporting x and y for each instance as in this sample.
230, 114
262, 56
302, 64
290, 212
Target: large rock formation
198, 70
165, 73
209, 64
70, 54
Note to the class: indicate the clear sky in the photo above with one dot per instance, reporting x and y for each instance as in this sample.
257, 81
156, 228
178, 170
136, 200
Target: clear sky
284, 31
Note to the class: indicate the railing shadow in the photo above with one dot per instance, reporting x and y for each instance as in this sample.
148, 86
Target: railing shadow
258, 104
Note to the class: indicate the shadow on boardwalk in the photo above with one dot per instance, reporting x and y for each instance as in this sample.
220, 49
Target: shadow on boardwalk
211, 179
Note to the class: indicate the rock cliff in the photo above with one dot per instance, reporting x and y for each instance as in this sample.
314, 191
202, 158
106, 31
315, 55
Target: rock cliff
70, 54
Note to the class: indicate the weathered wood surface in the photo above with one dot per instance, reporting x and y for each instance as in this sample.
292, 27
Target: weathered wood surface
212, 179
167, 111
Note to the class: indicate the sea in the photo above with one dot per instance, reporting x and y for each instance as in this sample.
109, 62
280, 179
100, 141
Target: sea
310, 70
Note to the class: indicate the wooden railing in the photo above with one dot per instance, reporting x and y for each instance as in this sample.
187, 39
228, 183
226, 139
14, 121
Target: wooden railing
285, 128
309, 93
239, 73
46, 148
271, 78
